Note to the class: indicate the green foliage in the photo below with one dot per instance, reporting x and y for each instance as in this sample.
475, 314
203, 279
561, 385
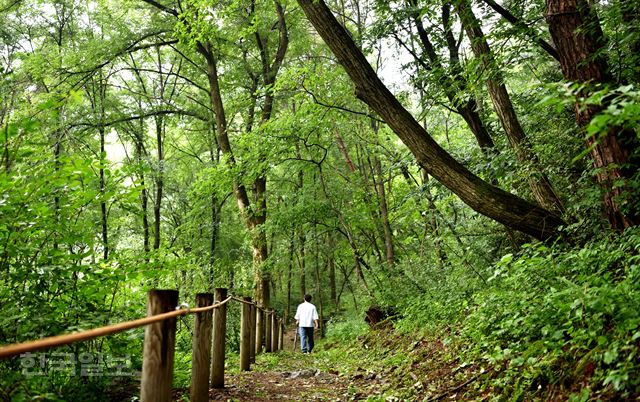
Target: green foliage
345, 330
552, 310
92, 92
550, 316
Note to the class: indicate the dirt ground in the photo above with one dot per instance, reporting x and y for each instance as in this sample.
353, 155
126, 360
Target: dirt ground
294, 378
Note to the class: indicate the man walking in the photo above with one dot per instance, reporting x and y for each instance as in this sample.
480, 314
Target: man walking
306, 320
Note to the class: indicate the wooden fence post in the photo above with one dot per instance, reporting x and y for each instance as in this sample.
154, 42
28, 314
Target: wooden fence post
267, 331
259, 330
245, 336
159, 348
252, 348
281, 337
219, 340
274, 332
201, 356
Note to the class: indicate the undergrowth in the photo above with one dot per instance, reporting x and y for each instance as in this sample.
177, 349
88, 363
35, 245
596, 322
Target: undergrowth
551, 323
562, 319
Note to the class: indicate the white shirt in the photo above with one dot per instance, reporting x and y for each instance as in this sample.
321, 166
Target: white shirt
305, 314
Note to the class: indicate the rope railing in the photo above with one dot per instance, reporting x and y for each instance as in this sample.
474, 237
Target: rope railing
66, 339
258, 325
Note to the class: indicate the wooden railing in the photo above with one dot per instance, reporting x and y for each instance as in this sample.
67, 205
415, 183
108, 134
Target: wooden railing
257, 325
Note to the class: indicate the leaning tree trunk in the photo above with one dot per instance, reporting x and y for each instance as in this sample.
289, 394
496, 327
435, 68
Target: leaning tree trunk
483, 197
576, 32
538, 182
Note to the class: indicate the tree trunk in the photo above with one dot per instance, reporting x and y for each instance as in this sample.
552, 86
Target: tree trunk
384, 214
216, 216
159, 184
103, 201
253, 218
57, 153
303, 274
144, 197
318, 287
262, 280
478, 194
331, 264
290, 272
538, 182
254, 215
345, 152
576, 32
215, 227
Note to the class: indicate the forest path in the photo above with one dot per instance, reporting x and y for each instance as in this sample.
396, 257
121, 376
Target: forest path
291, 376
380, 365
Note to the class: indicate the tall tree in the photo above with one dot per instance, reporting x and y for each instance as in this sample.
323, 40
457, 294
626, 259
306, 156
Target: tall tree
578, 36
539, 183
253, 208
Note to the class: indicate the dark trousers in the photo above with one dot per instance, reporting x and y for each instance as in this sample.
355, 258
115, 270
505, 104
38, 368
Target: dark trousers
306, 339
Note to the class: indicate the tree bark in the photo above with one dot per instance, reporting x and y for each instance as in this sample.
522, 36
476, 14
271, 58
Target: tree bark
576, 32
318, 287
252, 219
138, 139
478, 194
96, 94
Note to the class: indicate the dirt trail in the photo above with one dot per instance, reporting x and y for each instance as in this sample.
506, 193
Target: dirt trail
287, 375
280, 386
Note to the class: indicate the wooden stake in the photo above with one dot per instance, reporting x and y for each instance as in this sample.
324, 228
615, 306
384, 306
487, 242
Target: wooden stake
201, 356
219, 340
252, 349
159, 348
259, 331
267, 331
295, 339
281, 337
245, 336
274, 332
